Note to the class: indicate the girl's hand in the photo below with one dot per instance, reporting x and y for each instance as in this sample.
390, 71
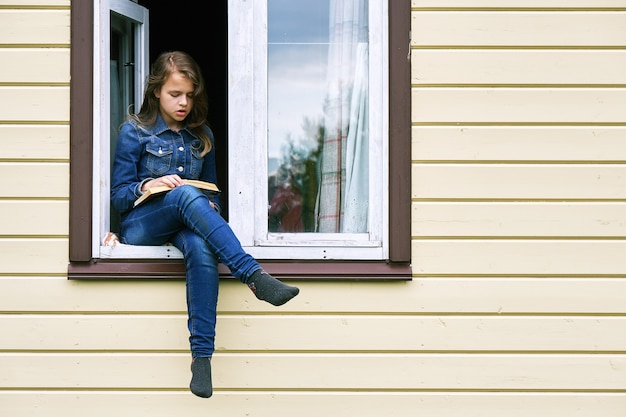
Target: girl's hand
167, 180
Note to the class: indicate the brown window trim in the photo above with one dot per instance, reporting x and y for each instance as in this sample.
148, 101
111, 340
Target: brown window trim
83, 266
174, 269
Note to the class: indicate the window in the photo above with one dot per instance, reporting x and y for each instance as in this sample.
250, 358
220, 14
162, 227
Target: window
122, 51
254, 135
308, 148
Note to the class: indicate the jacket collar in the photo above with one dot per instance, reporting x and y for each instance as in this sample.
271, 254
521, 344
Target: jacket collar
160, 126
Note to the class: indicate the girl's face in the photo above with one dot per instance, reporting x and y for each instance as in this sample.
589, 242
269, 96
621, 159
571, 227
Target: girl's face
175, 99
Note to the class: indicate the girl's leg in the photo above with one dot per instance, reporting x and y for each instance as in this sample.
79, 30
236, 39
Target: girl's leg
202, 284
186, 206
155, 222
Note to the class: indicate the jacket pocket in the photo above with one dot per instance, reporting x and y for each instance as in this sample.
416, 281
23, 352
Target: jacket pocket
159, 158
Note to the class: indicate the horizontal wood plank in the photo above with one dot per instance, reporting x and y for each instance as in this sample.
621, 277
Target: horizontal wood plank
41, 104
522, 257
517, 28
42, 3
34, 256
515, 4
518, 181
423, 295
36, 218
517, 105
17, 27
493, 67
312, 371
518, 143
35, 65
30, 403
36, 179
336, 333
51, 142
505, 219
309, 404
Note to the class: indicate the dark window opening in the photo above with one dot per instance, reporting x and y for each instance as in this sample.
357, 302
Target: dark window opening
204, 36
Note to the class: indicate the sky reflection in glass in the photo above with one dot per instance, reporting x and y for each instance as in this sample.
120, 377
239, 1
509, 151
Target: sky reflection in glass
297, 65
296, 90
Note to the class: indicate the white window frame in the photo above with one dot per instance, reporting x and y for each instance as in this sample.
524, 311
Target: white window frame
247, 127
102, 104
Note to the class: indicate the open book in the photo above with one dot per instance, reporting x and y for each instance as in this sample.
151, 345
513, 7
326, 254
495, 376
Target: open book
155, 191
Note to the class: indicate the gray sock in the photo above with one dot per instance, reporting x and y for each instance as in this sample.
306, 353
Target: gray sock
201, 384
267, 288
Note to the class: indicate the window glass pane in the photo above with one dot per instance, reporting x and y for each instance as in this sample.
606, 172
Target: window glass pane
318, 125
122, 68
122, 84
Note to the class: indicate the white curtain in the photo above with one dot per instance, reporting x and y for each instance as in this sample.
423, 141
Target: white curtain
342, 205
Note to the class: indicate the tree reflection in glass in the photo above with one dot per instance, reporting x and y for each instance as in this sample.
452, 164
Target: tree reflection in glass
318, 140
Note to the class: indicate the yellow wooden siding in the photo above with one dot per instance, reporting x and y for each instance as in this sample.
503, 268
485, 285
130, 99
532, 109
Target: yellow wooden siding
498, 296
36, 179
517, 67
519, 181
35, 26
343, 333
35, 218
49, 142
34, 104
521, 219
314, 404
36, 3
435, 340
521, 105
588, 144
517, 304
514, 5
34, 137
518, 28
52, 65
517, 185
313, 371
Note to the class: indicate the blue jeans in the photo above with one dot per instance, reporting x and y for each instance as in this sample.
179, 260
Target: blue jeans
185, 218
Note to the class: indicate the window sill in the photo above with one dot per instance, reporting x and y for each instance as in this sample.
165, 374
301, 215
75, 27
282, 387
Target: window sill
101, 269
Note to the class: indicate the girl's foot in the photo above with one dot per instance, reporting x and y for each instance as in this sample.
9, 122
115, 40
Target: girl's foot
267, 288
201, 384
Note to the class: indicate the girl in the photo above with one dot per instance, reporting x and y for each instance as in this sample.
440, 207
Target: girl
166, 142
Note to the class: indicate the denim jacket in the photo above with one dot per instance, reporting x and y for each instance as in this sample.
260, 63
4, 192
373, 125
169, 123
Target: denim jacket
144, 153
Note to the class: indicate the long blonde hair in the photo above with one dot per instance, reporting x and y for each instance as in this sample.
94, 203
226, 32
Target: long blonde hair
163, 66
